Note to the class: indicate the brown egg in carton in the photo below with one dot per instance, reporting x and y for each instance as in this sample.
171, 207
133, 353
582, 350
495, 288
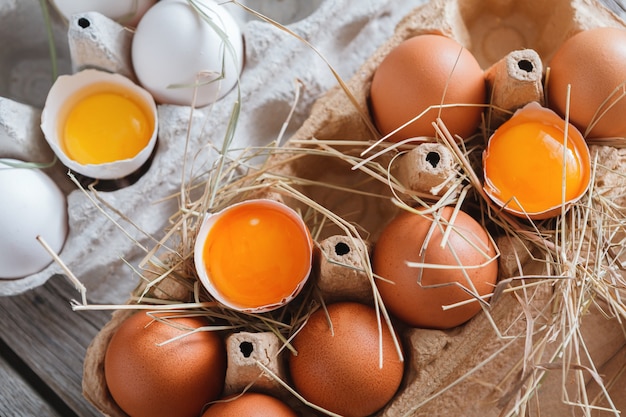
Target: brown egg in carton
481, 368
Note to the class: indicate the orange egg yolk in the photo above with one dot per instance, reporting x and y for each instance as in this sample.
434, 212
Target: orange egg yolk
106, 127
529, 163
256, 255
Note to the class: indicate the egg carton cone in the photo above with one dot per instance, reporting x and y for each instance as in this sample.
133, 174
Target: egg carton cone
481, 368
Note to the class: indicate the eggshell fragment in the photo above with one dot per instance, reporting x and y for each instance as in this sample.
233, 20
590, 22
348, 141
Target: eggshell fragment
424, 71
338, 362
445, 271
150, 378
593, 64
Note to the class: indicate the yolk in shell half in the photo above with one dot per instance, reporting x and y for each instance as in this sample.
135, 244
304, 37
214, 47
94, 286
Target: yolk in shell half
106, 127
528, 163
256, 255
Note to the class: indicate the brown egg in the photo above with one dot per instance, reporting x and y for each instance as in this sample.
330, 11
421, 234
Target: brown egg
174, 379
416, 295
337, 367
250, 404
422, 71
593, 62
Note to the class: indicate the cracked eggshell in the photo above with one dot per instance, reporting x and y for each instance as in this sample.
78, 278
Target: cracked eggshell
254, 256
70, 89
178, 46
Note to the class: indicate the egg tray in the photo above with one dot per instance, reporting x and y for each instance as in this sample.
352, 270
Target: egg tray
438, 362
96, 249
470, 370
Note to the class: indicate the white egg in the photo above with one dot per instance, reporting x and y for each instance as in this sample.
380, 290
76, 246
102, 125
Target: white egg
32, 205
180, 44
123, 11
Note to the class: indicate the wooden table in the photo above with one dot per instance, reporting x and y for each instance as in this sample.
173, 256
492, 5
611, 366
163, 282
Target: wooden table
43, 342
42, 346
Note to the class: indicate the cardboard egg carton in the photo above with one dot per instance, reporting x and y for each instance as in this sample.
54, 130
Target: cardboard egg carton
481, 368
472, 370
468, 371
97, 250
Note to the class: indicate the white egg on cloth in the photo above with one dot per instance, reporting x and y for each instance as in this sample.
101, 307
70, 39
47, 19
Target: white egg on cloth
32, 205
187, 53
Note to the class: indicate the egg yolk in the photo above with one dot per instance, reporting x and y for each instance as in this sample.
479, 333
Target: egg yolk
256, 255
528, 163
106, 127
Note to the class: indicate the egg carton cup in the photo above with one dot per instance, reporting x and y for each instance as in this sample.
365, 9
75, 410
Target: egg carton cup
108, 229
470, 370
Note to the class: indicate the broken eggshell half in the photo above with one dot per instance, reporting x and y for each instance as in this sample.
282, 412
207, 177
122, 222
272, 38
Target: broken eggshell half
71, 91
254, 256
536, 164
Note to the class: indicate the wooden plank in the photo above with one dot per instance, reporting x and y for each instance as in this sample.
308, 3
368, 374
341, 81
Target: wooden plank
18, 396
40, 327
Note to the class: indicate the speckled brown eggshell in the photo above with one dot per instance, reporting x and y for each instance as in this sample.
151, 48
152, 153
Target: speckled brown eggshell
422, 71
250, 404
338, 368
408, 291
593, 62
176, 379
